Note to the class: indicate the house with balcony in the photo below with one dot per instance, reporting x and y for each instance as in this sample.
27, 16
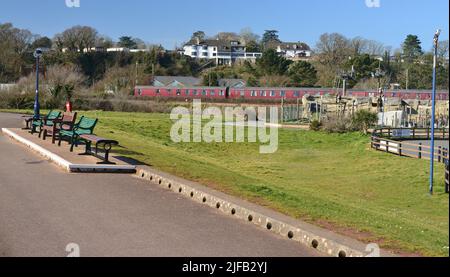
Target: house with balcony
294, 51
223, 52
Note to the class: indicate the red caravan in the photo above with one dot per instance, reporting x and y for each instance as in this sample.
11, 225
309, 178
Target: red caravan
259, 93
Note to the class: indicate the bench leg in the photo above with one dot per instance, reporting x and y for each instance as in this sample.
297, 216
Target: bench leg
88, 150
106, 147
44, 135
106, 159
72, 143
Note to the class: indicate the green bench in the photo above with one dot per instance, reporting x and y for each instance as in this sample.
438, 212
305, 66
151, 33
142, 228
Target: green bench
84, 127
44, 121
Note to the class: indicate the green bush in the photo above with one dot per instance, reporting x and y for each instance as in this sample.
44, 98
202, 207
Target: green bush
315, 125
363, 120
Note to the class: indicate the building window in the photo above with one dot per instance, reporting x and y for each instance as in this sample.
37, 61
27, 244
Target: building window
282, 93
194, 54
214, 54
158, 91
296, 94
204, 93
243, 93
195, 92
253, 93
139, 92
187, 92
221, 93
273, 93
263, 93
205, 54
213, 93
169, 91
178, 92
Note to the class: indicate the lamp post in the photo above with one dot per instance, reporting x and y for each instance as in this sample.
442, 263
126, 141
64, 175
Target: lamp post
433, 108
37, 54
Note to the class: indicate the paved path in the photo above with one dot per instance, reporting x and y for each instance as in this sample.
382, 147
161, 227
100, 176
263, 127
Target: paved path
42, 209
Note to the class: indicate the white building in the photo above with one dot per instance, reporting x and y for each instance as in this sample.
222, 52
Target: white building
223, 52
294, 50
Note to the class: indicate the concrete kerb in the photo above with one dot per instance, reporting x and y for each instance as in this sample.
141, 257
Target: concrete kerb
40, 150
323, 240
66, 165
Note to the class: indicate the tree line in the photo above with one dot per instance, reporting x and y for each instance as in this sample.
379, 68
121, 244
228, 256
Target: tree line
369, 63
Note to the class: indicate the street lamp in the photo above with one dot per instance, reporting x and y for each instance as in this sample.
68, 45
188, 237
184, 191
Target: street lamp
433, 107
37, 54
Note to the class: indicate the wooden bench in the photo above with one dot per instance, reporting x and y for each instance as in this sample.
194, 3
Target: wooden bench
84, 127
98, 141
66, 123
36, 123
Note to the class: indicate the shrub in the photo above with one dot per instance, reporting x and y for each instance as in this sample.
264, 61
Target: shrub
315, 125
15, 100
338, 125
363, 120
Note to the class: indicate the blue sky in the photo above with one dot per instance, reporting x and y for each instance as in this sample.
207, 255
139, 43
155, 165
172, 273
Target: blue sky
170, 22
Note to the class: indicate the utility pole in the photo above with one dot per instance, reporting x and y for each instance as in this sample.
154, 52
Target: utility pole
433, 108
136, 76
407, 78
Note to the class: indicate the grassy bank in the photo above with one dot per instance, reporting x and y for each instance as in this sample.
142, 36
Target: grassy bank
332, 180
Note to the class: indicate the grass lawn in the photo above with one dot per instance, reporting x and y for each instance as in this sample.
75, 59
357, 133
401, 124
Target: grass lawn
332, 180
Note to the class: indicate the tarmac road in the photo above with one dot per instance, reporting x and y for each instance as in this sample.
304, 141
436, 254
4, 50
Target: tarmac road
43, 209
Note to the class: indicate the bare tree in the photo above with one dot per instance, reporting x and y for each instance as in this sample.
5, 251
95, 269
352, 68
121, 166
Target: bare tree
77, 38
248, 36
374, 48
358, 45
443, 50
333, 49
14, 43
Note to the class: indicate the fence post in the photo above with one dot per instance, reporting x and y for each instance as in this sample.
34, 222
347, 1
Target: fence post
400, 149
420, 150
447, 176
439, 153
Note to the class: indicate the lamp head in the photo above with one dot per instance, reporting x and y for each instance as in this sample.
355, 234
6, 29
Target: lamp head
38, 53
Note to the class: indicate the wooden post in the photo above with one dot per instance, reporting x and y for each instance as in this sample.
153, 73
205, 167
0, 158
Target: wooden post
439, 153
400, 149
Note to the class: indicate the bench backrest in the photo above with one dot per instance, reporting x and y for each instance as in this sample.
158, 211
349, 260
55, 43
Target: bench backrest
86, 125
69, 117
68, 120
53, 115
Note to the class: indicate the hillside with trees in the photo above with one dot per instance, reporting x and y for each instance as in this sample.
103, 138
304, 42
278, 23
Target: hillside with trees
75, 52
